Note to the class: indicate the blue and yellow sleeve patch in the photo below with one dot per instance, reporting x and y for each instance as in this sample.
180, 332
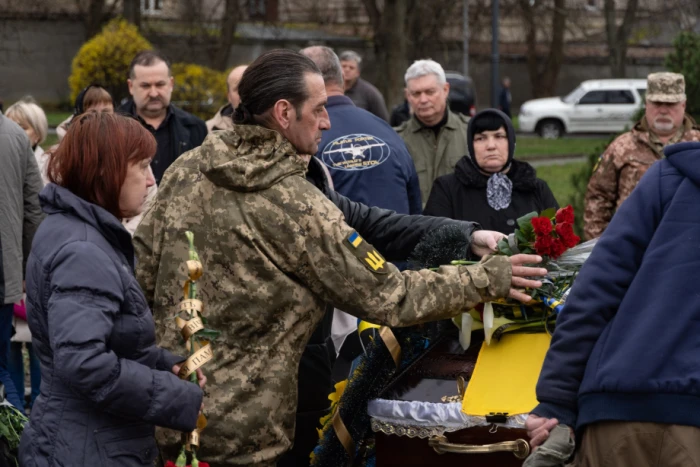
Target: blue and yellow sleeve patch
368, 256
355, 239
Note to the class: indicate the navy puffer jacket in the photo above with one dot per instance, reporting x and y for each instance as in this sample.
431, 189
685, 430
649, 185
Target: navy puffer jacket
105, 384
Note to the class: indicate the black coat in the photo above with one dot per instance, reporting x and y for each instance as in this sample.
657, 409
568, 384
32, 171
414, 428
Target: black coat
186, 132
462, 195
105, 385
395, 236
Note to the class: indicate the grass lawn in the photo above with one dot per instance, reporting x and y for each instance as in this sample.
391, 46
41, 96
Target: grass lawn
529, 147
55, 118
558, 179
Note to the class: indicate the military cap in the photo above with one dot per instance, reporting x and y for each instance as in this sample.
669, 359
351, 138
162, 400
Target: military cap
665, 87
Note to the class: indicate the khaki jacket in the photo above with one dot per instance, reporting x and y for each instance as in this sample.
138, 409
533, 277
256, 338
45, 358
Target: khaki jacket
274, 251
621, 167
433, 156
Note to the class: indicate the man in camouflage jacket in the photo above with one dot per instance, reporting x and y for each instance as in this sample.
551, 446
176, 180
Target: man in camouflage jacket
275, 251
627, 158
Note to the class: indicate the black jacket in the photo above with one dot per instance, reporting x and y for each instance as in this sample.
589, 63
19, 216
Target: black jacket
186, 132
462, 195
395, 236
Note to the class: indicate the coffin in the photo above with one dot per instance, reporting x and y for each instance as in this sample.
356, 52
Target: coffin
418, 418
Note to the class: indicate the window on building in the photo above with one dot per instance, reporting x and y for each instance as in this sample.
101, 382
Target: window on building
151, 6
256, 9
262, 10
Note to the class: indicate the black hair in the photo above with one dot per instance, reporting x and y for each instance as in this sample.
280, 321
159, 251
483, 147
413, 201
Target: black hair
275, 75
147, 58
488, 122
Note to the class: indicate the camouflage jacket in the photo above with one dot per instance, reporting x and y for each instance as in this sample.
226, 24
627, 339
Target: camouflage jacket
435, 156
621, 167
275, 250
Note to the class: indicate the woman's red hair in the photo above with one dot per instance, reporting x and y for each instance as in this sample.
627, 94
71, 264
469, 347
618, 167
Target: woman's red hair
92, 159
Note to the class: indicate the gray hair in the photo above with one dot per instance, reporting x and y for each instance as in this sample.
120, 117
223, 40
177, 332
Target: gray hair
351, 56
427, 67
27, 112
327, 61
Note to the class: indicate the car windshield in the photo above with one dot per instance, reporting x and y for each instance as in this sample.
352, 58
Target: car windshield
574, 95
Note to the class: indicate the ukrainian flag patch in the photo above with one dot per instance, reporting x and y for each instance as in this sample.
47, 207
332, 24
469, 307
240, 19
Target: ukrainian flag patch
354, 239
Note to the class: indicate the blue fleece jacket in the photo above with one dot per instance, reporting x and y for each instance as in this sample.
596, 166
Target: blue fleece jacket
368, 161
627, 344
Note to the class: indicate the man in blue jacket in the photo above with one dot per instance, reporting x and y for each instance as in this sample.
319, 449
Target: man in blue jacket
368, 161
624, 365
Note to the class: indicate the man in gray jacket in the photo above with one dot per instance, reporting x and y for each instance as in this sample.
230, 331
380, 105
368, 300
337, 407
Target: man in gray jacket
20, 215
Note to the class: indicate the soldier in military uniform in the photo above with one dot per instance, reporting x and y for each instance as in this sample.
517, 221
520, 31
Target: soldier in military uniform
435, 136
627, 158
275, 251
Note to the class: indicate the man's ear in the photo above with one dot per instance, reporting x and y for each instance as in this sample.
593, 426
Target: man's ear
131, 86
447, 88
283, 113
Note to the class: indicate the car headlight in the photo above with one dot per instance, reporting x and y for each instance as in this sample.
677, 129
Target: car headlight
525, 112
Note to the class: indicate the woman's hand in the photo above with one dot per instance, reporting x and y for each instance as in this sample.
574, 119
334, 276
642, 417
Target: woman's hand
201, 379
484, 242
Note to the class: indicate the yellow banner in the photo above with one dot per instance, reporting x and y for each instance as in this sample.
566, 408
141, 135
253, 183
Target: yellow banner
364, 325
506, 374
195, 361
191, 305
189, 327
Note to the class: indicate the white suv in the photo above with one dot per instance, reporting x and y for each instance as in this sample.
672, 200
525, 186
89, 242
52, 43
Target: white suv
596, 106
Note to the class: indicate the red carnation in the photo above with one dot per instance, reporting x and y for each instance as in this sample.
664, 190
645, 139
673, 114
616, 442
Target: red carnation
565, 215
567, 235
542, 226
543, 245
557, 249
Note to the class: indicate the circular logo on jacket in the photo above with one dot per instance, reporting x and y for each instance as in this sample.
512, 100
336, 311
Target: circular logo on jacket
357, 151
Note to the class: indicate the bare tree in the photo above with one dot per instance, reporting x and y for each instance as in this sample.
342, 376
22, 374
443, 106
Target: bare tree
94, 14
131, 10
618, 37
544, 74
228, 25
427, 22
390, 45
212, 26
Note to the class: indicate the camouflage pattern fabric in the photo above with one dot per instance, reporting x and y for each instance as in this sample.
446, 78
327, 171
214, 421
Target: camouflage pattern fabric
275, 250
621, 167
665, 87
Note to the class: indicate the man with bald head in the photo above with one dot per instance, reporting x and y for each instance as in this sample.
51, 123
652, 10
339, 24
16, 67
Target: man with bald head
223, 120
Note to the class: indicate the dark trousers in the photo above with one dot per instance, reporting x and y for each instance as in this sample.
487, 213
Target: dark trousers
16, 368
5, 335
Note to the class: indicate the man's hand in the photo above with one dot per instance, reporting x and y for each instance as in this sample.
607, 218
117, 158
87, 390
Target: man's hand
201, 379
538, 428
484, 242
520, 273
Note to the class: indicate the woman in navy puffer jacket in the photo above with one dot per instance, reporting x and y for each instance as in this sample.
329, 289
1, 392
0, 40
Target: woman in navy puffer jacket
105, 384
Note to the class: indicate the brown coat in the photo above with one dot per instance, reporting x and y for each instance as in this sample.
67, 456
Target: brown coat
621, 167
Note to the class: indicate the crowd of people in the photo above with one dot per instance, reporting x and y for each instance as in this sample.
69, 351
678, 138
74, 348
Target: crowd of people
305, 205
